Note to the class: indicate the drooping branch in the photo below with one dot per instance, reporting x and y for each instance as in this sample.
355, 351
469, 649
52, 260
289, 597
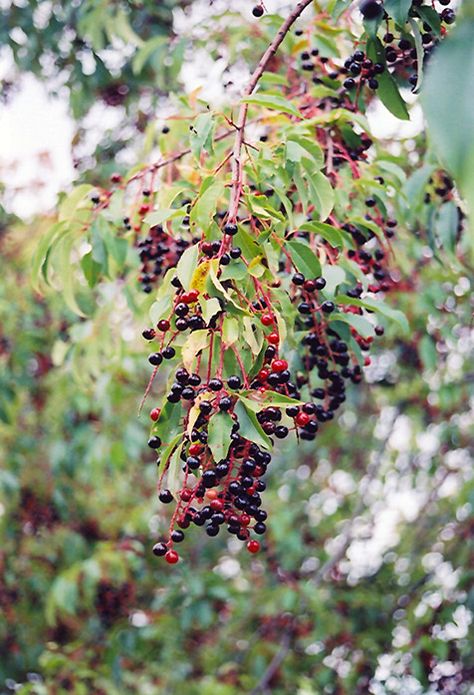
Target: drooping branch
237, 167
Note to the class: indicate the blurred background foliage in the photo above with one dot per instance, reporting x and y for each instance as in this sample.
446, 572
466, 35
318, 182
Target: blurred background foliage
366, 584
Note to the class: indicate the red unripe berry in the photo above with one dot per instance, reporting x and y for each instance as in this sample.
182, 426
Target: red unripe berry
185, 495
217, 505
195, 449
143, 209
267, 319
279, 365
116, 177
252, 547
367, 361
263, 374
164, 325
211, 494
258, 471
137, 227
245, 519
273, 338
193, 295
172, 556
155, 414
302, 419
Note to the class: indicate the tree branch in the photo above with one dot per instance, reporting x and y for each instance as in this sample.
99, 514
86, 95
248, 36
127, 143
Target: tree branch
237, 167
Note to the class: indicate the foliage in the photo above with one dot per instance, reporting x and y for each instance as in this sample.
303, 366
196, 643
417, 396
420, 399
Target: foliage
364, 581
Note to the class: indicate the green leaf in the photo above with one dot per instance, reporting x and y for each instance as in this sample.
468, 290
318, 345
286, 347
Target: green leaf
322, 193
159, 216
187, 264
361, 325
54, 233
155, 45
448, 85
446, 225
331, 234
174, 476
334, 276
167, 453
379, 307
201, 135
209, 308
79, 197
250, 427
430, 16
205, 208
160, 309
304, 259
274, 102
387, 91
219, 431
420, 55
91, 269
257, 401
398, 10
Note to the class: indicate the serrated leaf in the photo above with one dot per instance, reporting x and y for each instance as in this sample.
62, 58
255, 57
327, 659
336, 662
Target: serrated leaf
398, 10
205, 208
331, 234
304, 259
274, 102
219, 431
387, 91
250, 428
321, 191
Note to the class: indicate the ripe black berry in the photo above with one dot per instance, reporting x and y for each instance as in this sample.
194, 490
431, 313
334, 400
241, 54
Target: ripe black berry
234, 382
155, 358
231, 228
168, 353
257, 11
165, 496
154, 442
159, 549
370, 9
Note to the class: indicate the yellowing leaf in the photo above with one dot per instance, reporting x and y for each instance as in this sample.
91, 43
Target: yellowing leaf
196, 342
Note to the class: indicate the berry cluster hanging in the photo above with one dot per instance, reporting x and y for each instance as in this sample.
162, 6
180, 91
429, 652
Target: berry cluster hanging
265, 248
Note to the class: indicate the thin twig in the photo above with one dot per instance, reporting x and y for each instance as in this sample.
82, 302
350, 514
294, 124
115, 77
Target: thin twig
237, 167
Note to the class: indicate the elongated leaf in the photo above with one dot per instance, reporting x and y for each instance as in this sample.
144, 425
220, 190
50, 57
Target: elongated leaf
250, 427
167, 453
205, 208
304, 259
398, 9
195, 342
361, 325
387, 91
331, 234
219, 431
257, 401
274, 102
187, 265
379, 307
